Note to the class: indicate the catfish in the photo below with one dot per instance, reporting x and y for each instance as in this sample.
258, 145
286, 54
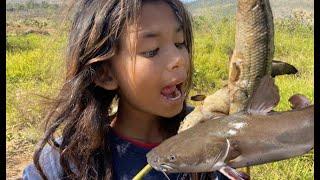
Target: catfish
254, 136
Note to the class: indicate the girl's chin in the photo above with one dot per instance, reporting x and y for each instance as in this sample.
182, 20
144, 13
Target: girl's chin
172, 111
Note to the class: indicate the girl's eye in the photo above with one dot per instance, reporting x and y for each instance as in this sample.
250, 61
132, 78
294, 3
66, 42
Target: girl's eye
180, 45
150, 54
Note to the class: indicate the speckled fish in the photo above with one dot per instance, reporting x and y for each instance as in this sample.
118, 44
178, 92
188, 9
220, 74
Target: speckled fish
253, 52
255, 136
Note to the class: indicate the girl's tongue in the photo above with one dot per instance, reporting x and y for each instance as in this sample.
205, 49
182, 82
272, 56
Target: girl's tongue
171, 92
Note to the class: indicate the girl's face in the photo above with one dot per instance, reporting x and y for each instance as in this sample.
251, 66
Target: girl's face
151, 77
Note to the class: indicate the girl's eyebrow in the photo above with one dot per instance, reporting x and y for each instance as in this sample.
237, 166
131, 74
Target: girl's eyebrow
154, 34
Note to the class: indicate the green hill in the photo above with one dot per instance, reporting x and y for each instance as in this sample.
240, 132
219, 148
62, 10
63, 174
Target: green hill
280, 8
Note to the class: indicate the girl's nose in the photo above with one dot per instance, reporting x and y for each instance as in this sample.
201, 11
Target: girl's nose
176, 61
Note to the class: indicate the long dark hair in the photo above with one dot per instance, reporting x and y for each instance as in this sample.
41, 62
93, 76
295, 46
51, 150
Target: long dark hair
81, 110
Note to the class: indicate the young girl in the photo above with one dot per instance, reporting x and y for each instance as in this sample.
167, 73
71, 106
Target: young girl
138, 52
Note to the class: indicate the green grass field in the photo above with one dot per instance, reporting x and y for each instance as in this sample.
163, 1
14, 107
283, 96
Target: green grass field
35, 68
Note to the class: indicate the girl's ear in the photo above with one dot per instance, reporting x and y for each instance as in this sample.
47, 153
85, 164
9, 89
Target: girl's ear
105, 78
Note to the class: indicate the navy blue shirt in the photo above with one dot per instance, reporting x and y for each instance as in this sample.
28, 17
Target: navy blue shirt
128, 158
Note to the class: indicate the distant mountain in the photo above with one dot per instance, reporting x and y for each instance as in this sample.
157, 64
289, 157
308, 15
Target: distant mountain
219, 8
280, 8
35, 1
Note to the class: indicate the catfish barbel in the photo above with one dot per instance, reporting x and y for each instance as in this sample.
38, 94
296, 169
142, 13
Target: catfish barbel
251, 137
253, 52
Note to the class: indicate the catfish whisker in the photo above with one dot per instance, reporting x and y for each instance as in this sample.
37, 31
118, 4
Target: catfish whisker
164, 173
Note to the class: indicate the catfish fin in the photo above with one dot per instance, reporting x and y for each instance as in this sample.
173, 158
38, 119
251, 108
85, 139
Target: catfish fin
220, 150
233, 174
265, 97
234, 151
299, 101
281, 68
198, 97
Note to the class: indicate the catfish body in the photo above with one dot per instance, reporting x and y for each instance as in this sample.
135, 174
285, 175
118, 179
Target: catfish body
237, 140
255, 136
275, 137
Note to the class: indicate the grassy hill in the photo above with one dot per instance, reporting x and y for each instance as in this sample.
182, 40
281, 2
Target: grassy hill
34, 1
281, 8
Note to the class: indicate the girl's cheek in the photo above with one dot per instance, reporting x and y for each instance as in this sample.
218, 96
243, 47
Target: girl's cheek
146, 70
187, 59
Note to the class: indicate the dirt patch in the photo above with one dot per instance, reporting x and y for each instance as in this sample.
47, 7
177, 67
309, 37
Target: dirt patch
20, 29
18, 156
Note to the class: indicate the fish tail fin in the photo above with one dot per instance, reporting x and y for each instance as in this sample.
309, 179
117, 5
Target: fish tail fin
265, 97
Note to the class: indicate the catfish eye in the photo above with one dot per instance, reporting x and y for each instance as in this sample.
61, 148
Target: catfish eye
172, 158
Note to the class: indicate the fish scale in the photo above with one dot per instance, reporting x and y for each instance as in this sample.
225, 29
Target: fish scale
253, 51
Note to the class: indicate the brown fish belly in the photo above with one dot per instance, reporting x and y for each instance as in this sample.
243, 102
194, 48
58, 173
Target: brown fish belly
253, 53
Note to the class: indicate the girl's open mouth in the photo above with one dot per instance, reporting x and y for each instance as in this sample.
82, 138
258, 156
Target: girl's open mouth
172, 93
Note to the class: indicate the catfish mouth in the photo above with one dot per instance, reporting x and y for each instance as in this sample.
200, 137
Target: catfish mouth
173, 92
166, 167
159, 164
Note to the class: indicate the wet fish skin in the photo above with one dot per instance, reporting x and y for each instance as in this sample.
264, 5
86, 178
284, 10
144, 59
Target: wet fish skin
291, 132
204, 147
253, 53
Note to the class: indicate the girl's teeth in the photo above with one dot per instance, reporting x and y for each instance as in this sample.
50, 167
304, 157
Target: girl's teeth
174, 95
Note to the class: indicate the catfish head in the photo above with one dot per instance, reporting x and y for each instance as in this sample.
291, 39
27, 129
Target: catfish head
187, 156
